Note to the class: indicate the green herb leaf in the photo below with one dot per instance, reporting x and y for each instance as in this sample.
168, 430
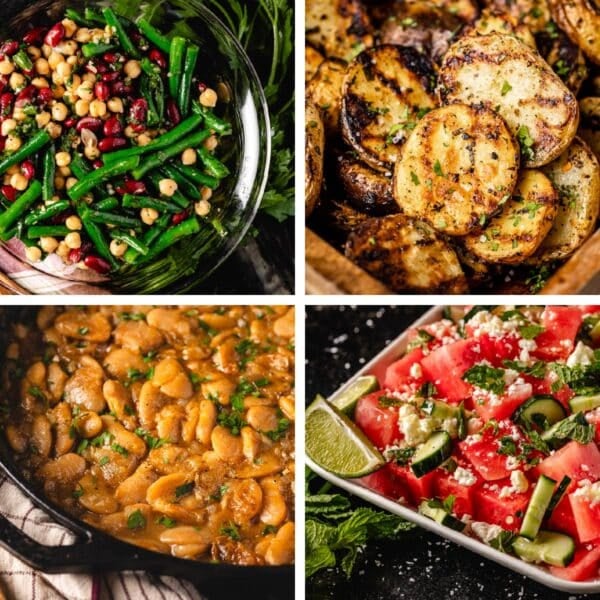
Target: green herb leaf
506, 87
136, 520
230, 529
166, 522
183, 490
486, 377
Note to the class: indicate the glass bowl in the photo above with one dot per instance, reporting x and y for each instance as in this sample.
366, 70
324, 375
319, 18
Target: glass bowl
246, 152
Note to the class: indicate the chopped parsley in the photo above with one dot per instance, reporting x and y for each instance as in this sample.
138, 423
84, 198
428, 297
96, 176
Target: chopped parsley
526, 142
247, 388
120, 449
183, 490
207, 328
401, 456
246, 350
506, 87
269, 529
153, 442
132, 316
414, 178
486, 377
78, 492
136, 520
231, 420
230, 529
437, 169
282, 426
37, 393
83, 330
218, 495
166, 522
104, 461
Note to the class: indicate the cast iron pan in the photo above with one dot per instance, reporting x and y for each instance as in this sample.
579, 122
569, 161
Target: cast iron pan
97, 551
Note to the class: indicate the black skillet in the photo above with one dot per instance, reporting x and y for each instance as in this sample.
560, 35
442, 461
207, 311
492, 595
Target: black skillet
96, 551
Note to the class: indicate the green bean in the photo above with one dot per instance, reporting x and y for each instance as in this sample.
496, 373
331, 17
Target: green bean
43, 214
95, 49
72, 14
187, 187
49, 166
211, 120
166, 139
197, 176
109, 218
151, 87
131, 201
177, 197
189, 67
154, 36
97, 237
176, 56
32, 145
162, 156
22, 60
9, 234
101, 175
131, 241
78, 166
93, 16
213, 165
149, 236
106, 204
38, 231
173, 235
20, 205
112, 20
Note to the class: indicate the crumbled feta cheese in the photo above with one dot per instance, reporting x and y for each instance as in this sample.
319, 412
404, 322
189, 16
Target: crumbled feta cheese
582, 355
416, 371
589, 491
510, 375
519, 482
450, 426
464, 477
486, 531
526, 347
511, 463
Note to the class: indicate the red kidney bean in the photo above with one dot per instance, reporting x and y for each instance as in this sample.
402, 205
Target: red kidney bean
108, 144
109, 76
9, 192
3, 83
112, 127
45, 96
2, 143
120, 189
95, 66
179, 217
91, 123
138, 111
28, 169
135, 36
35, 35
138, 127
156, 56
26, 95
70, 122
201, 86
118, 88
134, 187
9, 47
97, 164
110, 57
102, 91
97, 264
55, 35
6, 102
75, 255
173, 112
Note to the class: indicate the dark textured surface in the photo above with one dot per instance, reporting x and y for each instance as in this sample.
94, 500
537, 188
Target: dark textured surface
339, 340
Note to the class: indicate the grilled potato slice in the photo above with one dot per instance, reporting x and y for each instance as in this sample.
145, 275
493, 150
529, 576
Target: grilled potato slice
386, 90
325, 90
367, 189
312, 59
406, 255
421, 25
533, 13
565, 58
494, 21
589, 129
576, 177
500, 72
457, 168
519, 229
338, 27
313, 156
337, 218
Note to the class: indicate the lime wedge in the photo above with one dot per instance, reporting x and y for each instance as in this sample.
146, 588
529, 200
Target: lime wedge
335, 443
347, 399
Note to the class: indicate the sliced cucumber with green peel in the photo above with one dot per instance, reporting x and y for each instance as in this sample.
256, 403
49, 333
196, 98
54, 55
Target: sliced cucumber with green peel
540, 410
346, 400
584, 403
438, 409
549, 547
536, 509
441, 516
432, 453
558, 494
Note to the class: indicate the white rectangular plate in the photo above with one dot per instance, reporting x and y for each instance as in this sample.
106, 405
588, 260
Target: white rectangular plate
375, 366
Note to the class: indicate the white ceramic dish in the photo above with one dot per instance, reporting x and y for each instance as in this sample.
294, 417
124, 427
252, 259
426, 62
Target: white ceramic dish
538, 573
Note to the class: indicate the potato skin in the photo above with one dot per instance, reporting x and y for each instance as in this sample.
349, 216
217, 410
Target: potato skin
535, 14
580, 19
325, 90
312, 59
495, 21
406, 255
537, 106
313, 156
456, 169
520, 228
589, 129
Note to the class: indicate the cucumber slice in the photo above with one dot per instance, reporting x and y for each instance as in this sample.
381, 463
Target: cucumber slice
538, 504
440, 515
540, 409
558, 494
347, 399
584, 403
432, 453
548, 547
438, 409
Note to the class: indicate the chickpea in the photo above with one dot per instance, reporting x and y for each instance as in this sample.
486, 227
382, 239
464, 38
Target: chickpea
7, 126
19, 181
211, 143
62, 159
82, 108
73, 240
73, 223
68, 47
59, 111
72, 60
70, 182
34, 52
6, 66
58, 91
205, 193
85, 91
42, 66
62, 250
13, 142
143, 139
64, 70
89, 77
42, 119
70, 27
129, 132
115, 105
91, 152
64, 171
59, 182
132, 69
82, 35
97, 108
54, 129
19, 114
208, 98
48, 244
167, 187
202, 208
75, 83
33, 253
188, 157
16, 81
148, 215
55, 59
46, 50
40, 82
118, 248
